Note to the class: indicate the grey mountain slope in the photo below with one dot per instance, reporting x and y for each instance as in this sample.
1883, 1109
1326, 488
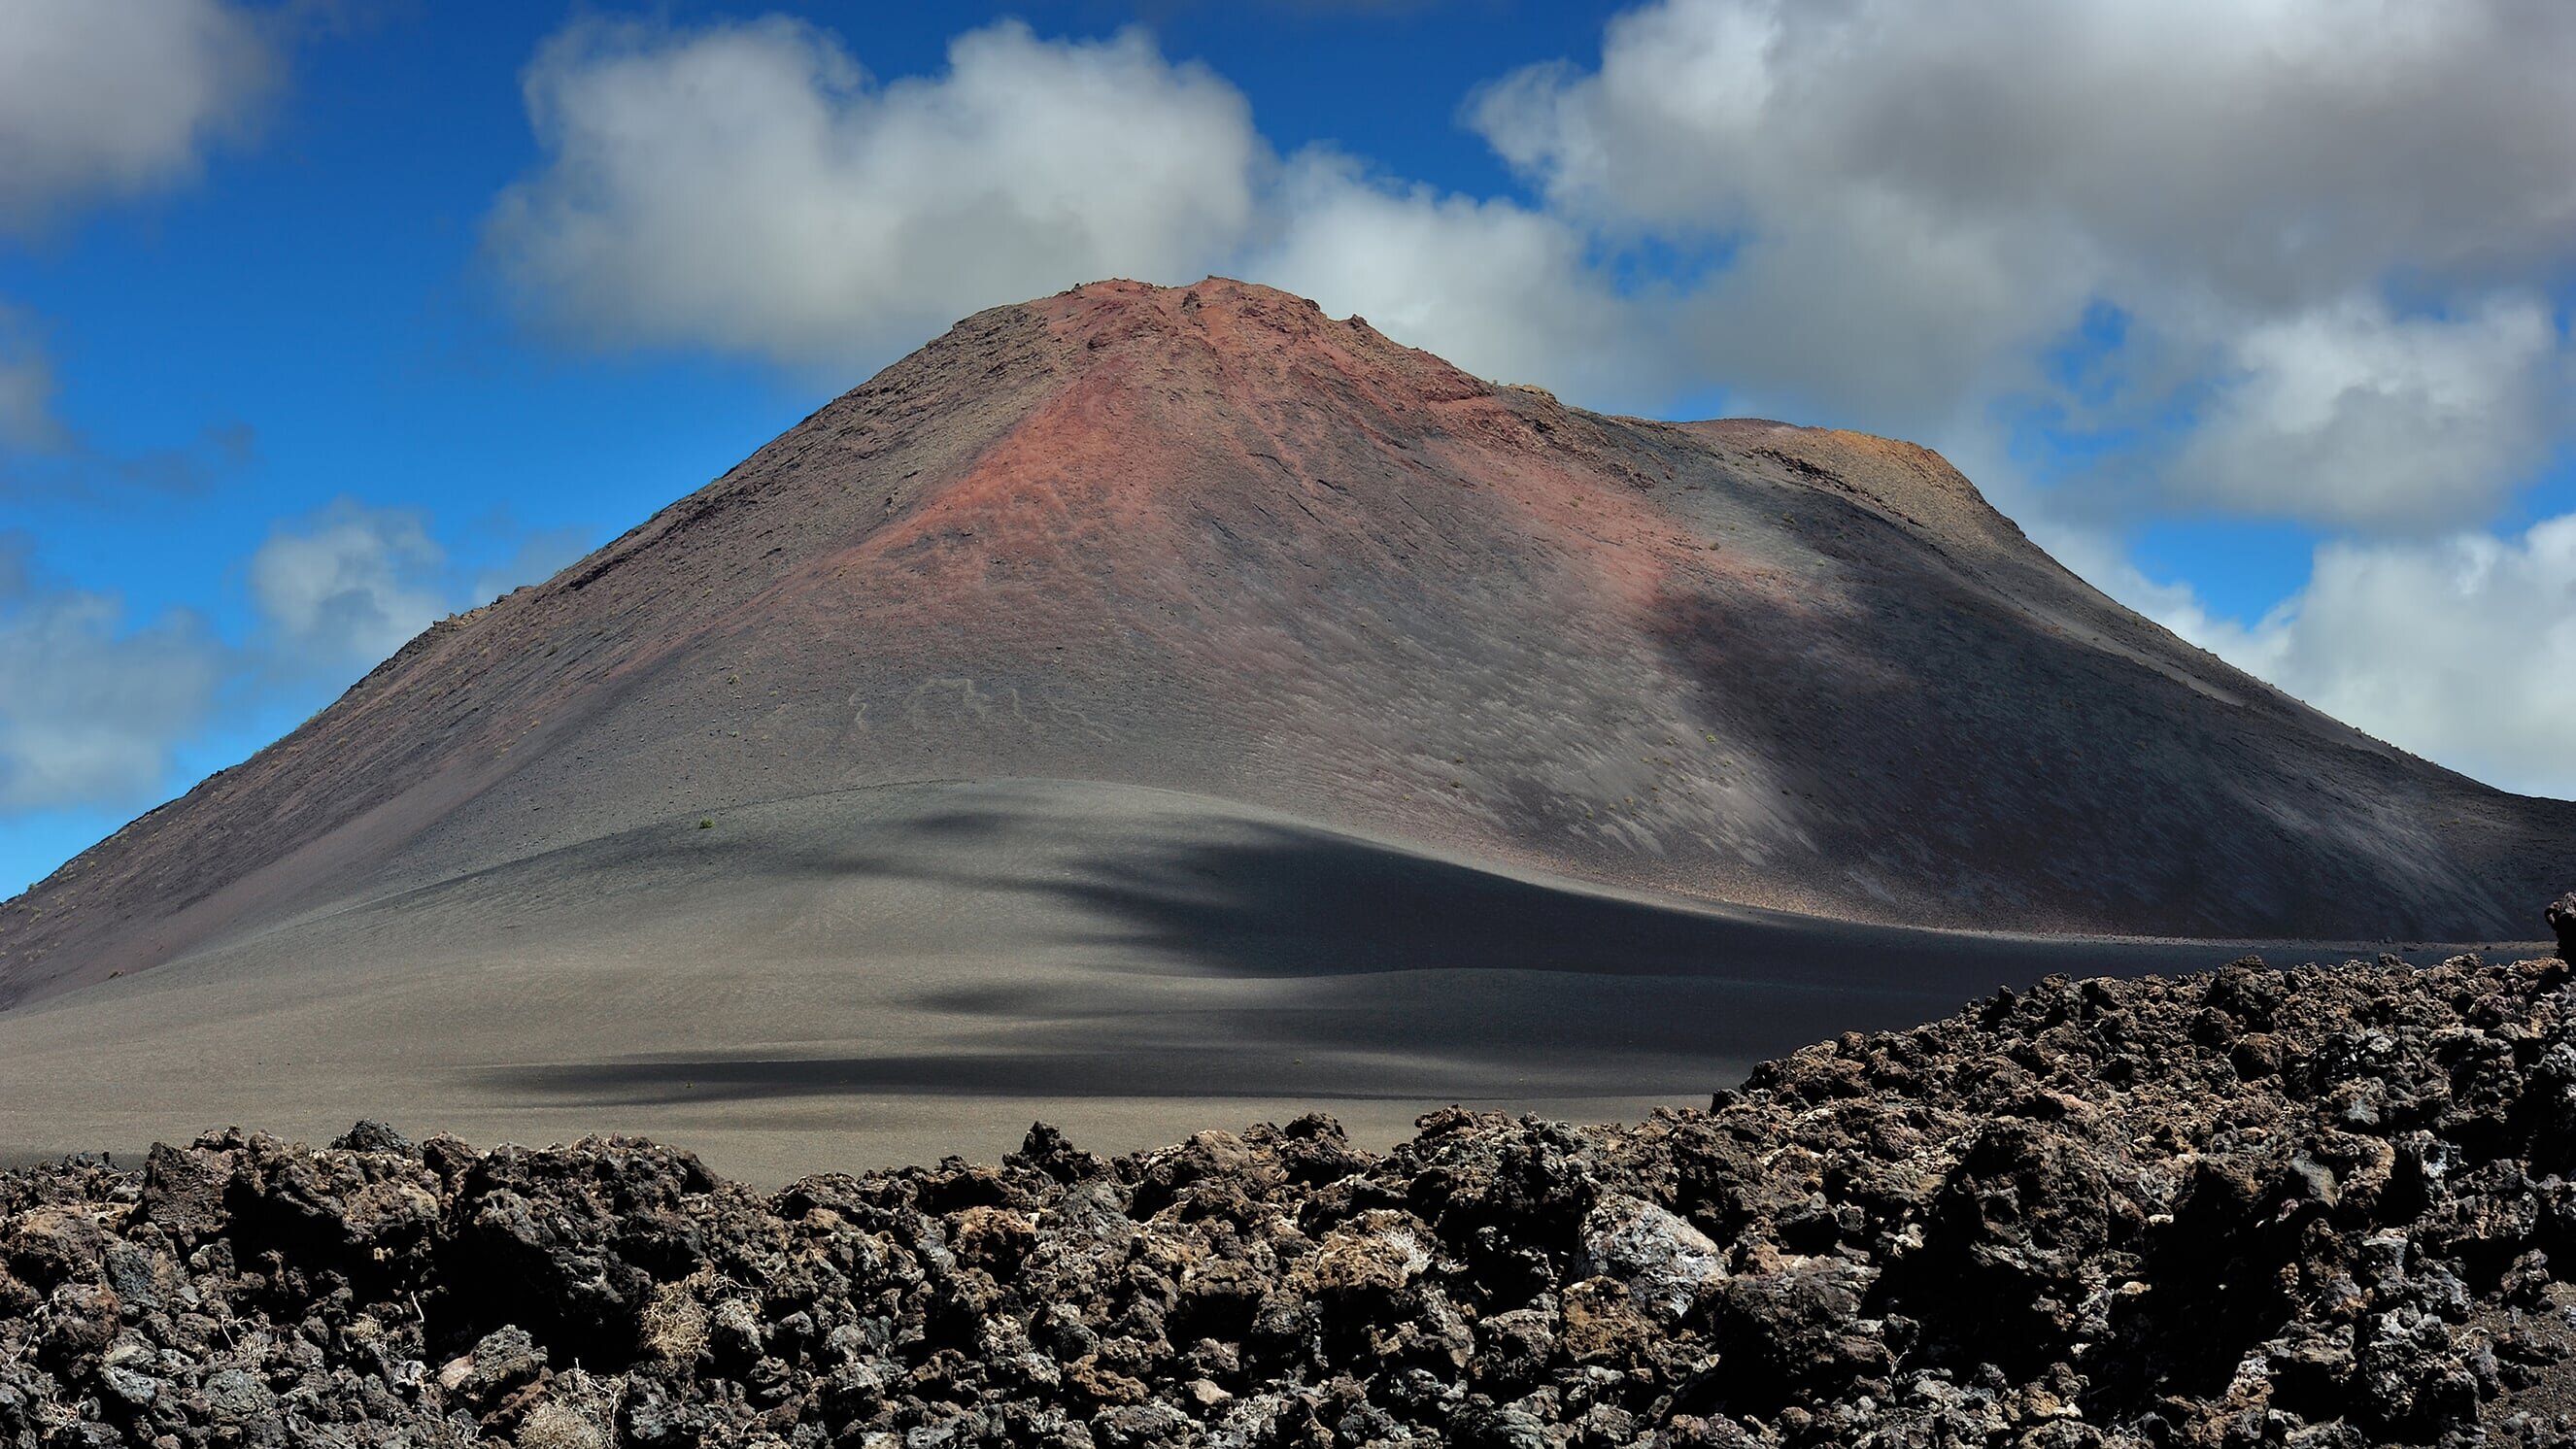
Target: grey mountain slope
1208, 540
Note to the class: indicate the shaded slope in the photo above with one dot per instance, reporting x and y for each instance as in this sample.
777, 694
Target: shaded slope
1210, 540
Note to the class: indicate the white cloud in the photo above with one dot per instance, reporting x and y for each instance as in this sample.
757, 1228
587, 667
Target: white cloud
1924, 196
90, 708
110, 98
2349, 414
2279, 148
1865, 310
349, 584
1502, 291
748, 186
93, 704
2462, 648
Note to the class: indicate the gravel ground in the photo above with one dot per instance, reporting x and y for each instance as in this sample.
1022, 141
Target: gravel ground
2324, 1206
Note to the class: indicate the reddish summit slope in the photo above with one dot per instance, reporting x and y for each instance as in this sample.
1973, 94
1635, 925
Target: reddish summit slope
1209, 540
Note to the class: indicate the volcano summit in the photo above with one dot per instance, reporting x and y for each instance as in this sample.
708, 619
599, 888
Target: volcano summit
1148, 694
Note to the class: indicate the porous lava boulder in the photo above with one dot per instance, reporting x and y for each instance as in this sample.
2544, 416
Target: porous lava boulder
2320, 1207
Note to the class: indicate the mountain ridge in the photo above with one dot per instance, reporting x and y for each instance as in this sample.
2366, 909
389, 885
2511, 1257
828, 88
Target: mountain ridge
1208, 539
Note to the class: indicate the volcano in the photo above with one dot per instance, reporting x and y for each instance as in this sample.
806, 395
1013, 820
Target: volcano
1148, 693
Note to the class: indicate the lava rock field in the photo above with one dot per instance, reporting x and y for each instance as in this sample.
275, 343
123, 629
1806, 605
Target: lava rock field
2328, 1206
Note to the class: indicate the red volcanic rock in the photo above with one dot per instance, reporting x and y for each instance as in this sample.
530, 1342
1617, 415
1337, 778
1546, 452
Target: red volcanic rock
1210, 540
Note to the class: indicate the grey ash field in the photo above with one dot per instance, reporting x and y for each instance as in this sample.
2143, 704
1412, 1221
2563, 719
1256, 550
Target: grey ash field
1148, 707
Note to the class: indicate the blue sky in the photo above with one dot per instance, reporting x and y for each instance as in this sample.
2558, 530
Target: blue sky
319, 320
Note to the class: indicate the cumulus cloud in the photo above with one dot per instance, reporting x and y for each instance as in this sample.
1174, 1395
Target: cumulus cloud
109, 98
2462, 648
750, 186
1863, 311
2289, 148
2349, 414
1501, 290
350, 584
90, 707
1922, 196
94, 703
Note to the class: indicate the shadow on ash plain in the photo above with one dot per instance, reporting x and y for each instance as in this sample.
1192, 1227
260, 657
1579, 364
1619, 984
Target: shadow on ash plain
1342, 969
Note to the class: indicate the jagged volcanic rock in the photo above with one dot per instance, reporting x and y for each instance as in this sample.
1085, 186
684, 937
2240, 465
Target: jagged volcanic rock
2327, 1207
1210, 540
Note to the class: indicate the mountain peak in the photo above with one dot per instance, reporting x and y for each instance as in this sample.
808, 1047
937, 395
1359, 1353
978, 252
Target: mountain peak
1220, 305
1208, 540
1277, 345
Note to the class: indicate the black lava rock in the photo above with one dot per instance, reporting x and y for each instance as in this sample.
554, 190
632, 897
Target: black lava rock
2324, 1206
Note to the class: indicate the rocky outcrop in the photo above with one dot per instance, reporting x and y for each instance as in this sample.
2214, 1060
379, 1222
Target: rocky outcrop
2324, 1207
